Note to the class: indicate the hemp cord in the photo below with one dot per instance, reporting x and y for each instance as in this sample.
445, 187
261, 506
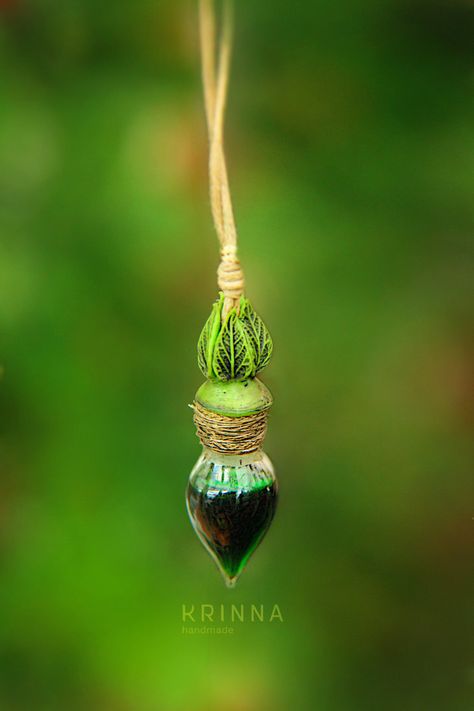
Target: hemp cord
230, 435
230, 276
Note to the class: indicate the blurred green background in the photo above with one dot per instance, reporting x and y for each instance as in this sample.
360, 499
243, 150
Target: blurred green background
350, 139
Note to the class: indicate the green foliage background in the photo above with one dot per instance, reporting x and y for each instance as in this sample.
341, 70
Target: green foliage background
350, 141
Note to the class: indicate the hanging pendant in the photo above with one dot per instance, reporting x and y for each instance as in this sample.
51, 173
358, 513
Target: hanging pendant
232, 491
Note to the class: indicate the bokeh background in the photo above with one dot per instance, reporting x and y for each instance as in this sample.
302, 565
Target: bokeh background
351, 148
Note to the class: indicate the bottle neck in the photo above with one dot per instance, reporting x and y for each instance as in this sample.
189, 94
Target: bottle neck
232, 459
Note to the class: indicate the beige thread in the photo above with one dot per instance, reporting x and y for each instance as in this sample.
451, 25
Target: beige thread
230, 276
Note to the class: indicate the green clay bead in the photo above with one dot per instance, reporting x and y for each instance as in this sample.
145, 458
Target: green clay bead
234, 398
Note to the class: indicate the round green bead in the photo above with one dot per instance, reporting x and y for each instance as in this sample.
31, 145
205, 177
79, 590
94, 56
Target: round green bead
234, 398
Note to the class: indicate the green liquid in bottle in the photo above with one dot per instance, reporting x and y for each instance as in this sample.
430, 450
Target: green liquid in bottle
231, 508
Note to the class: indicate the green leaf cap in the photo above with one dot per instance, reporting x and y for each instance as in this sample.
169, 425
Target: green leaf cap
236, 349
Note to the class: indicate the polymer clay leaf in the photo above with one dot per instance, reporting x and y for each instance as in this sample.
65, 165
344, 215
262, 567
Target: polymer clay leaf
207, 339
258, 334
234, 357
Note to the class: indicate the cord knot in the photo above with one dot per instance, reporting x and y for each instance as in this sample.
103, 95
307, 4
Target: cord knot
230, 277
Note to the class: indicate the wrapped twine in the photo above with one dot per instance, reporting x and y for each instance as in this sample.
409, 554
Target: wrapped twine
230, 435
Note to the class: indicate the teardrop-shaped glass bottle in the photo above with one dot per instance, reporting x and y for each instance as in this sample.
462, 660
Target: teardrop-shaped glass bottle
231, 501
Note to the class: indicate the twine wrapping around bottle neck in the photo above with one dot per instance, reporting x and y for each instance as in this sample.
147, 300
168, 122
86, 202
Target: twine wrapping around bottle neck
230, 435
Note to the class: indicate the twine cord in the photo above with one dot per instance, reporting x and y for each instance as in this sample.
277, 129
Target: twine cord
230, 435
230, 276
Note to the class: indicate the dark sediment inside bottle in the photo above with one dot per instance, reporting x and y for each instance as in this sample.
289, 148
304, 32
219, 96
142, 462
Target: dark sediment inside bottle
232, 523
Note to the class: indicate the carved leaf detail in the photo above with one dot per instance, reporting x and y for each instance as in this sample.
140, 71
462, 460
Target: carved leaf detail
207, 339
234, 357
258, 334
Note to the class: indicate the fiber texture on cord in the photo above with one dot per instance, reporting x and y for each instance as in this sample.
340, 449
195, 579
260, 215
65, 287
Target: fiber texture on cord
215, 71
